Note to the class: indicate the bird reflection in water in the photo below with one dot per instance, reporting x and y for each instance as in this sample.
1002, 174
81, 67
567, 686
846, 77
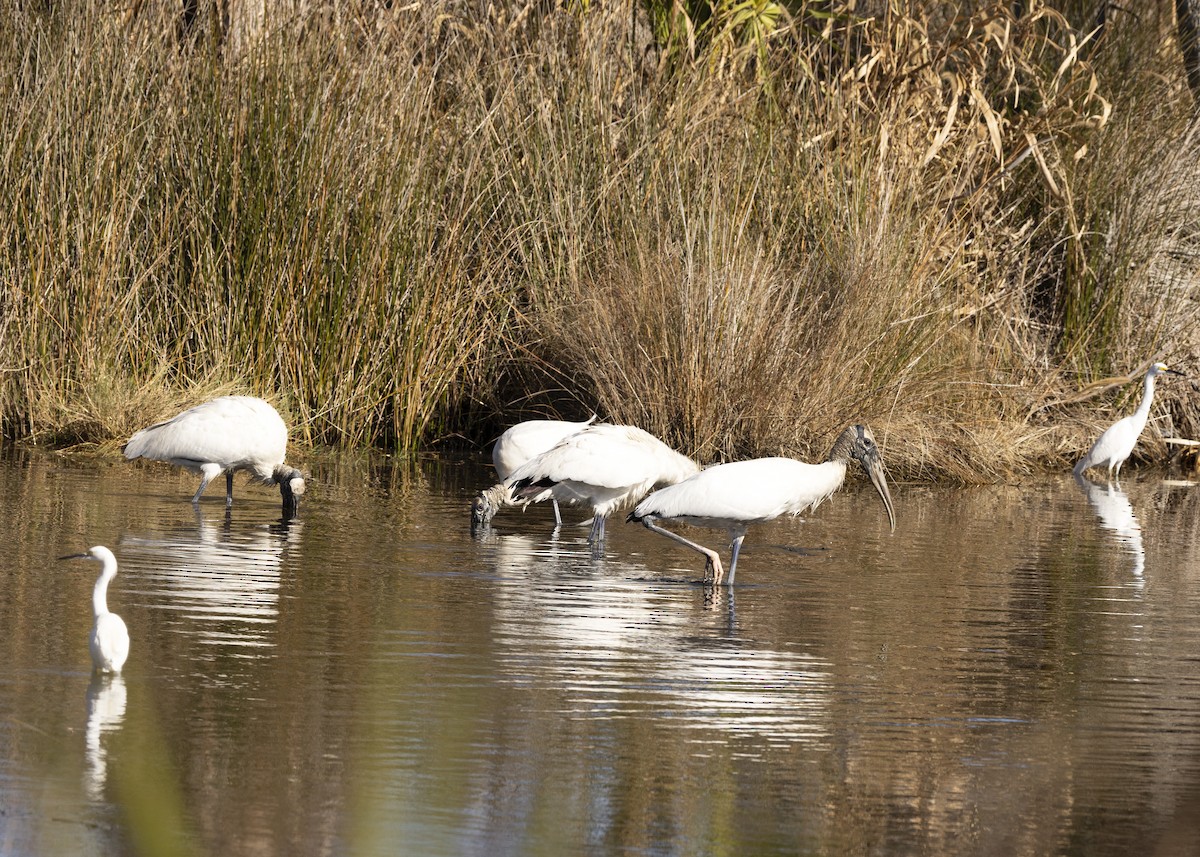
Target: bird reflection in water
1112, 505
617, 647
105, 713
222, 577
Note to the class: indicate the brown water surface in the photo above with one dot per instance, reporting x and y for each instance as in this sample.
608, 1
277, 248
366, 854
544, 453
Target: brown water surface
1015, 671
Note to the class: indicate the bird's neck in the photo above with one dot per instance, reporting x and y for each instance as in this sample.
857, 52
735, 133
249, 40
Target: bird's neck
99, 596
1143, 410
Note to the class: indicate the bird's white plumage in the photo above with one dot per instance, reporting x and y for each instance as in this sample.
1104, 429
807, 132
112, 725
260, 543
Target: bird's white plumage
1116, 444
516, 446
746, 492
734, 496
603, 466
237, 432
225, 434
528, 439
108, 641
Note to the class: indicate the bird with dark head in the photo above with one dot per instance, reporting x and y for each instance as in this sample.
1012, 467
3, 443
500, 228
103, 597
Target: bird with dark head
604, 466
734, 496
225, 434
516, 446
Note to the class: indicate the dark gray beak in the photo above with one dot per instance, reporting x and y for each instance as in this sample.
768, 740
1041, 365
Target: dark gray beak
874, 468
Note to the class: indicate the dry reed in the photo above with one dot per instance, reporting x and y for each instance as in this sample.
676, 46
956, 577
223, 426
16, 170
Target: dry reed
740, 231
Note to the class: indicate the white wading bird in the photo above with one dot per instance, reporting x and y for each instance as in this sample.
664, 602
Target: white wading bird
733, 496
512, 449
1114, 446
603, 466
109, 641
225, 434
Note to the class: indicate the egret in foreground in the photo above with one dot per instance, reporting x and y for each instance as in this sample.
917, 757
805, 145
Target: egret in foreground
226, 434
109, 641
733, 496
517, 445
1116, 444
604, 466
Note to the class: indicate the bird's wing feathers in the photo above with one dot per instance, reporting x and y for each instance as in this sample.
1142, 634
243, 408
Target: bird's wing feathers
1116, 442
755, 490
606, 456
528, 439
231, 431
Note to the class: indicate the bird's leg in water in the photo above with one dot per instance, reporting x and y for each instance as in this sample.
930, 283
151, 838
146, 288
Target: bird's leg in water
228, 489
208, 472
713, 565
737, 546
557, 514
597, 534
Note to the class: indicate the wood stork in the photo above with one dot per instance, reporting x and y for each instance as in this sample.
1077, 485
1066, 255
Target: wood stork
512, 449
603, 466
1116, 444
109, 640
733, 496
226, 434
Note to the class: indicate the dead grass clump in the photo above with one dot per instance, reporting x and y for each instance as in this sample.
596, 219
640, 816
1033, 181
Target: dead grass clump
739, 231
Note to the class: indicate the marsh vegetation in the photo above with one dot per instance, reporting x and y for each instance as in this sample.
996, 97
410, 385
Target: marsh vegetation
740, 227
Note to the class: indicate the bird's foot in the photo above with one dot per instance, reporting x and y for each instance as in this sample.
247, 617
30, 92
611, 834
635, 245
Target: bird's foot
713, 570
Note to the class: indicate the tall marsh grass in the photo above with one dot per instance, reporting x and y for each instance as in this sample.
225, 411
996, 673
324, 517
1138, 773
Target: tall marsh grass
415, 224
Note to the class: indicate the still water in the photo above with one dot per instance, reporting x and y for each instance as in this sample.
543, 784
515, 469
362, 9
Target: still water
1015, 671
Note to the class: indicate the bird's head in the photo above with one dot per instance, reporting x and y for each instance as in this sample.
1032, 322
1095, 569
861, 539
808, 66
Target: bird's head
485, 506
858, 444
1160, 368
291, 488
99, 553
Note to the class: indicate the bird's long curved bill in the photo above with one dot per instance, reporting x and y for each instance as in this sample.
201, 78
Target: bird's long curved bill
75, 556
875, 470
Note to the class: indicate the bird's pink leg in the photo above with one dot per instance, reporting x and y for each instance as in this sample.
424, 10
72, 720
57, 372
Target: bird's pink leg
713, 565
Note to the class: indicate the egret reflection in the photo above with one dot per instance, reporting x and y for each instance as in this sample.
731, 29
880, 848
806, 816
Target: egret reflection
1112, 505
105, 714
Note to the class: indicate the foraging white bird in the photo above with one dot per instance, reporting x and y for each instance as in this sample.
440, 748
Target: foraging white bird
516, 446
109, 640
226, 434
733, 496
1117, 442
603, 466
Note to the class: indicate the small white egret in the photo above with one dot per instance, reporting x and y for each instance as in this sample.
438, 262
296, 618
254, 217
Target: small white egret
733, 496
517, 445
1116, 444
226, 434
109, 640
603, 466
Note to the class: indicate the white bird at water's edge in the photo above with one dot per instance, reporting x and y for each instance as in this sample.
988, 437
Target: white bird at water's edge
604, 466
733, 496
516, 446
1117, 442
225, 434
109, 640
